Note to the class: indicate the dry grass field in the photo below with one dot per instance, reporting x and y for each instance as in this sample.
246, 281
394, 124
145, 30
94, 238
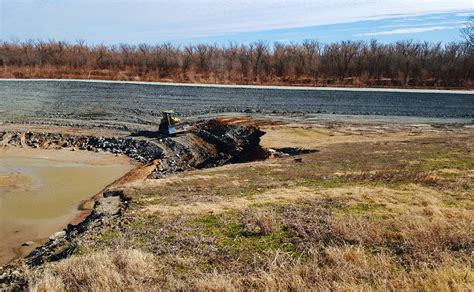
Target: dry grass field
372, 208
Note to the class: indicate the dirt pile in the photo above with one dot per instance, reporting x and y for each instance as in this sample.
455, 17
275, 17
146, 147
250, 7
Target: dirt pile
228, 142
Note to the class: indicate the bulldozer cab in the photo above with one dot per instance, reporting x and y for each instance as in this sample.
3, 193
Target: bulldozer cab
170, 117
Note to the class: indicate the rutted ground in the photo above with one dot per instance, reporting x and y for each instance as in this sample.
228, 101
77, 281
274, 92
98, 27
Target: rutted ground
371, 207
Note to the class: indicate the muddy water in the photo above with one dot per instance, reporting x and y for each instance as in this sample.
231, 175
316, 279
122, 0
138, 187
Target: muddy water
40, 191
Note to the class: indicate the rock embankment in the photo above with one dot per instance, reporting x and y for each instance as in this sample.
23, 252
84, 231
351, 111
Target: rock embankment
212, 143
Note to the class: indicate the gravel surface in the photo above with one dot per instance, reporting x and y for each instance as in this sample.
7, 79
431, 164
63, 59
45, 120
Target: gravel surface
118, 104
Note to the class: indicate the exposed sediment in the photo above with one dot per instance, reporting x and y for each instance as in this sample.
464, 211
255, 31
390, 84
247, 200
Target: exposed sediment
212, 143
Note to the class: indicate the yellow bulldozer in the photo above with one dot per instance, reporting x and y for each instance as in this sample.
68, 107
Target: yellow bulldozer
171, 125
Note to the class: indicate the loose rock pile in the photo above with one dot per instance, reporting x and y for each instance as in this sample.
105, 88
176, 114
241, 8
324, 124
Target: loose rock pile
138, 149
212, 143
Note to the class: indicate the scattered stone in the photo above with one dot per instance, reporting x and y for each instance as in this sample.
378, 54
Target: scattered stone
58, 235
108, 206
28, 243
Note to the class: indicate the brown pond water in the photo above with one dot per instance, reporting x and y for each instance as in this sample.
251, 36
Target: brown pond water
40, 191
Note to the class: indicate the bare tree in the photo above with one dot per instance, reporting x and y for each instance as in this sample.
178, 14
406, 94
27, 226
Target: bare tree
467, 32
404, 63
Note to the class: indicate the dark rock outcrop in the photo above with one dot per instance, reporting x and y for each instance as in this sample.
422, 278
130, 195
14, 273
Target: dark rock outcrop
233, 143
212, 143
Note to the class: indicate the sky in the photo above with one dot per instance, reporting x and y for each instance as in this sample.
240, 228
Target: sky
184, 22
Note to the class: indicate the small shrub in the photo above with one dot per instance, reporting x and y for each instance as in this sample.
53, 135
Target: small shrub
258, 224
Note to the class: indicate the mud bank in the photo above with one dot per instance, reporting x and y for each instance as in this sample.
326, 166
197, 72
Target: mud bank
212, 143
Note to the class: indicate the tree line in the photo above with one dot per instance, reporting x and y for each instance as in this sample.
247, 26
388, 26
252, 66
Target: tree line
349, 63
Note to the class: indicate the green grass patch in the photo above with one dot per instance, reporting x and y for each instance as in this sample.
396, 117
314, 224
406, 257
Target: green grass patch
318, 182
227, 230
82, 250
109, 235
362, 208
443, 159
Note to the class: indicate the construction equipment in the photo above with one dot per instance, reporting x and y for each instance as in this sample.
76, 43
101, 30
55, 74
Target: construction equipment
170, 124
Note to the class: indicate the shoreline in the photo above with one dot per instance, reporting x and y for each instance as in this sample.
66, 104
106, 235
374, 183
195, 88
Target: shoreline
236, 86
85, 208
75, 215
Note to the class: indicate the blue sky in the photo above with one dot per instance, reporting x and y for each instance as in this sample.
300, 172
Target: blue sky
221, 21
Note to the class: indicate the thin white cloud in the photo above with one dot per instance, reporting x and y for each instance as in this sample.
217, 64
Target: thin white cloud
407, 30
172, 20
210, 17
426, 24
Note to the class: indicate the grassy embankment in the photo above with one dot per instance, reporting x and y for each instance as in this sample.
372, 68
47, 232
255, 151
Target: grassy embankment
392, 212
